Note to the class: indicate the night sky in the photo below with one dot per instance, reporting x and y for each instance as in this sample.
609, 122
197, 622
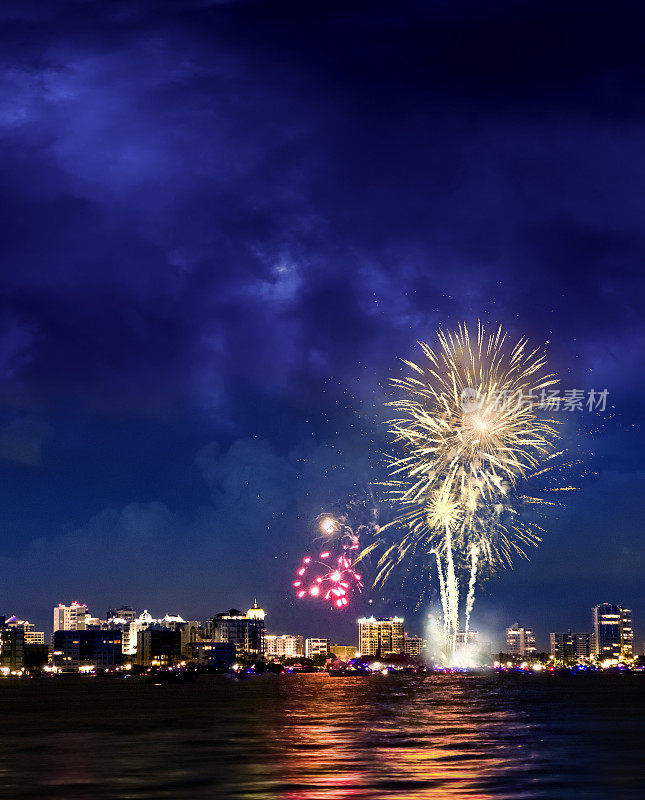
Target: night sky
225, 223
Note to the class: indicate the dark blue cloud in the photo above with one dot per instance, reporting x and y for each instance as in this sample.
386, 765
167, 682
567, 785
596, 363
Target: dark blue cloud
227, 220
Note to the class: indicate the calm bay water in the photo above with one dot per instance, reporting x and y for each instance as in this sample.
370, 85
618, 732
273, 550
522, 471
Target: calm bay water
311, 737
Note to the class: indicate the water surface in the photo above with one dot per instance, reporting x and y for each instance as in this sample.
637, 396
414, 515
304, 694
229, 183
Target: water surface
312, 737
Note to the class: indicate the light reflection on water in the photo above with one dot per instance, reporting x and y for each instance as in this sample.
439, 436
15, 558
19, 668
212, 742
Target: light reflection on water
428, 740
312, 737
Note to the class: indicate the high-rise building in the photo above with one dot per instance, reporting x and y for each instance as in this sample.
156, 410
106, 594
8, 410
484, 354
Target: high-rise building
125, 613
520, 642
70, 618
344, 652
159, 647
132, 628
95, 647
567, 648
314, 647
475, 648
413, 645
561, 645
378, 637
245, 631
12, 644
285, 645
144, 621
216, 655
626, 634
466, 638
191, 631
613, 636
368, 637
31, 636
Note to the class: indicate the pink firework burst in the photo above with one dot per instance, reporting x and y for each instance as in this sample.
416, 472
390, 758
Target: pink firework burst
331, 578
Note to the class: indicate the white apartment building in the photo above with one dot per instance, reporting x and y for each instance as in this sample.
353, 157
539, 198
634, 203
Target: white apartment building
520, 641
286, 645
70, 618
315, 646
376, 637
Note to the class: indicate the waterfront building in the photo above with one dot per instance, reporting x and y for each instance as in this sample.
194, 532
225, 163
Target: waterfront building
613, 636
31, 636
314, 647
287, 645
71, 617
131, 629
368, 636
567, 648
144, 621
344, 652
158, 646
464, 638
245, 631
626, 634
12, 644
125, 613
173, 621
215, 655
91, 648
581, 646
379, 637
520, 642
191, 631
413, 645
35, 656
476, 649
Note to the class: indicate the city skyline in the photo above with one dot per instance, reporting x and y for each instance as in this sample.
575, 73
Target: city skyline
501, 638
489, 617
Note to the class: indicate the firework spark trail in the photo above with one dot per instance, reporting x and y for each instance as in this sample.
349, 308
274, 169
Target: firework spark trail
442, 593
470, 434
470, 599
452, 585
329, 578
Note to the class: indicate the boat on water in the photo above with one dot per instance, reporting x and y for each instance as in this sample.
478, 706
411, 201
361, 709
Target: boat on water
171, 676
344, 672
